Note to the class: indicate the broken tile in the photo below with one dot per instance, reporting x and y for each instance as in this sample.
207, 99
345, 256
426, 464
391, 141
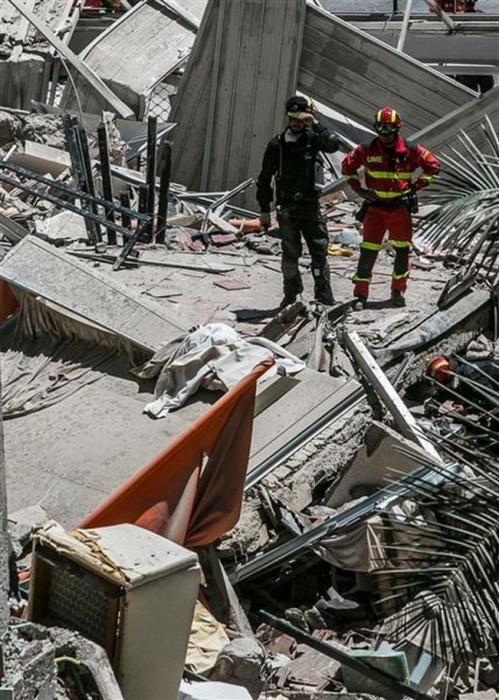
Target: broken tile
231, 284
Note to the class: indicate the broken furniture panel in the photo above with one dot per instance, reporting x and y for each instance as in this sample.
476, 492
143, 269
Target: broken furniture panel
127, 589
347, 69
232, 95
38, 268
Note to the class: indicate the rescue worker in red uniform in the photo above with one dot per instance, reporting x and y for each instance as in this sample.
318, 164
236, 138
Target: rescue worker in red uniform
456, 6
391, 166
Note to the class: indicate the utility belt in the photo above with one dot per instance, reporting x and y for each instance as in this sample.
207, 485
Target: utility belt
287, 199
408, 201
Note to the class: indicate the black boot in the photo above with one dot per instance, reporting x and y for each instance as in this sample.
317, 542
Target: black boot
359, 303
292, 287
324, 293
398, 299
287, 300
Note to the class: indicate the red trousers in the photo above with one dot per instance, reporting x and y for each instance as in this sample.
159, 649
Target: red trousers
398, 223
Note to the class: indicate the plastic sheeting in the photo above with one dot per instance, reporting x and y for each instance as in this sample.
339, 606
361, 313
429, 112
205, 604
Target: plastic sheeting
192, 491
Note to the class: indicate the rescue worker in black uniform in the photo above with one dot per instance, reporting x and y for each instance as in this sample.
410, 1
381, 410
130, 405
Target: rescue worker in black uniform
291, 162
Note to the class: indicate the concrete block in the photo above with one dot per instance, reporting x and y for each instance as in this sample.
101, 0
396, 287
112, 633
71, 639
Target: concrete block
240, 662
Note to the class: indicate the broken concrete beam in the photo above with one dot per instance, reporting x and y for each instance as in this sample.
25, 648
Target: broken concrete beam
302, 406
442, 133
41, 159
373, 373
438, 325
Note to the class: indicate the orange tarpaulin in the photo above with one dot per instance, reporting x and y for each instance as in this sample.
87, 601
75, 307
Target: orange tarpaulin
192, 491
8, 302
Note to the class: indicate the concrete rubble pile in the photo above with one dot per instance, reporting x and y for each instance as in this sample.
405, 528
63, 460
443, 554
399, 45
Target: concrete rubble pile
204, 495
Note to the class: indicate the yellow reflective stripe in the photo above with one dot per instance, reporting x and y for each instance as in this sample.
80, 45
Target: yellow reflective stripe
387, 175
367, 245
401, 244
400, 277
351, 177
385, 194
355, 278
439, 364
426, 177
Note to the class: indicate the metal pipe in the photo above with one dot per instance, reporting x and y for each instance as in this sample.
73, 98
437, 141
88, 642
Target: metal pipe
87, 173
71, 191
405, 26
152, 131
164, 189
105, 172
443, 15
65, 205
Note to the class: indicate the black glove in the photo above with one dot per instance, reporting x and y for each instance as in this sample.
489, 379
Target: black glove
360, 214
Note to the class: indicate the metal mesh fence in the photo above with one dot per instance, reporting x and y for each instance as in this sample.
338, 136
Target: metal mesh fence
158, 103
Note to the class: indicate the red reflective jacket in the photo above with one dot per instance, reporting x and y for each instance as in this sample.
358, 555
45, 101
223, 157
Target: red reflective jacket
390, 172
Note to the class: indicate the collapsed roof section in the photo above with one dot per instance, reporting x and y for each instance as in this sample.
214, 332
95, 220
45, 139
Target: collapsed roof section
444, 132
347, 69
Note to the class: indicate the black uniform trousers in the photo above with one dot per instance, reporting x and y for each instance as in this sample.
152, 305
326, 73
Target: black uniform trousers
305, 220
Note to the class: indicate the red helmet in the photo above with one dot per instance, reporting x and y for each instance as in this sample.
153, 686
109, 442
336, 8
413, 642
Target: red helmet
439, 369
387, 118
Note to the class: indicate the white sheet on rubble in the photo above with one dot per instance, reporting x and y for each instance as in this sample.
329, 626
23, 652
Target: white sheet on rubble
213, 357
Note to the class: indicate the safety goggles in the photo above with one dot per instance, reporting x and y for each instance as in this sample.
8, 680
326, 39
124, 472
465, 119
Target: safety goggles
386, 128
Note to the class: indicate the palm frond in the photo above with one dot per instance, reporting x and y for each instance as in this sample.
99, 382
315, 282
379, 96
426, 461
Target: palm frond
442, 578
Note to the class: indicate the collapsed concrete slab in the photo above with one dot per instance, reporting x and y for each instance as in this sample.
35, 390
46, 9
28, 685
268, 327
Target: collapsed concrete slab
242, 87
443, 133
167, 29
350, 71
40, 269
